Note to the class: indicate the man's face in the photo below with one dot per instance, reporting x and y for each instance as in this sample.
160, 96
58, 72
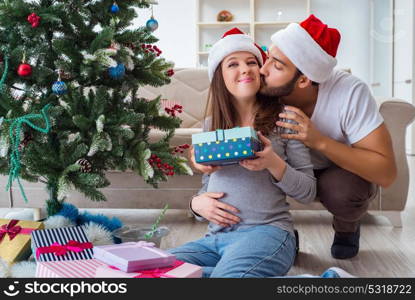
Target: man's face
279, 74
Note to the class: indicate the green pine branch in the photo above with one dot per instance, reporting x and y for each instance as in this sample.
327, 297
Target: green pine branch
100, 119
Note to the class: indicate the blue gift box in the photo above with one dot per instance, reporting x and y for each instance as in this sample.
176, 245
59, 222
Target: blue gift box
225, 147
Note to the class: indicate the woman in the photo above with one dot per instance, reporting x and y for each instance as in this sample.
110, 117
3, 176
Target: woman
250, 232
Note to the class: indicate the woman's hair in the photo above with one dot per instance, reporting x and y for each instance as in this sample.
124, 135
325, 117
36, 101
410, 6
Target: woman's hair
269, 108
220, 107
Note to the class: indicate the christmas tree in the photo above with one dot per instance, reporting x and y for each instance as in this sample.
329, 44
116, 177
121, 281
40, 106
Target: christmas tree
70, 72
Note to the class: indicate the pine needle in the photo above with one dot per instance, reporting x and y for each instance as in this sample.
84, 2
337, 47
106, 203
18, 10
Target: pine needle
155, 226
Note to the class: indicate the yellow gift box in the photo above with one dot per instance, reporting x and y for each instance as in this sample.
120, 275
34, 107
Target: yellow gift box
19, 247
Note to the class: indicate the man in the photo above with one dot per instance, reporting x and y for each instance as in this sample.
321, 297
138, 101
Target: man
337, 118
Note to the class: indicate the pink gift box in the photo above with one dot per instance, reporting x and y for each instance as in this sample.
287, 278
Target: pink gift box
178, 270
132, 257
68, 269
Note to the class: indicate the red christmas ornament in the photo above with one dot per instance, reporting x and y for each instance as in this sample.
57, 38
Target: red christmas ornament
34, 20
24, 70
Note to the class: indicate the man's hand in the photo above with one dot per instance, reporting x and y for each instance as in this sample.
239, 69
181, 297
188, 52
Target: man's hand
199, 167
266, 159
371, 158
208, 206
306, 131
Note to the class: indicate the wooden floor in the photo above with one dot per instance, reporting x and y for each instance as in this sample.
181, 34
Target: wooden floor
385, 251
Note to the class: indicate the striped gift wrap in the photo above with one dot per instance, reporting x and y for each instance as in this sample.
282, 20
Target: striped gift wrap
68, 269
46, 237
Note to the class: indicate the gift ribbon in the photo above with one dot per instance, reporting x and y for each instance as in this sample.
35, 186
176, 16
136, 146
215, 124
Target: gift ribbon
148, 245
156, 273
12, 230
60, 250
133, 244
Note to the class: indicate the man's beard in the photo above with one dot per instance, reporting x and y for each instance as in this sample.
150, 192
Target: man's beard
279, 91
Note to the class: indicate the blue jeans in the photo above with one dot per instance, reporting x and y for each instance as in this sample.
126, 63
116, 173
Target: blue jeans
258, 251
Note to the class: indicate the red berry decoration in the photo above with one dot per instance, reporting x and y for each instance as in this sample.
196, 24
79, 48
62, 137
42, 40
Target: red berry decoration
27, 138
181, 148
24, 70
156, 162
172, 111
130, 45
151, 48
34, 20
170, 72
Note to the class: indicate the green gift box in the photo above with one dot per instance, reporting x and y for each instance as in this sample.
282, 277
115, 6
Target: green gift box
225, 147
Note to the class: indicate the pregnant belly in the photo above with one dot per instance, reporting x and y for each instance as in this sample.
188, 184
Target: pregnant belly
248, 191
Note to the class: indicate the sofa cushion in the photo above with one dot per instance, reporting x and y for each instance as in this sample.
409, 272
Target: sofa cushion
189, 88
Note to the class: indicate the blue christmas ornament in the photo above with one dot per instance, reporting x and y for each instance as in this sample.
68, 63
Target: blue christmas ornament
114, 8
59, 88
152, 24
117, 72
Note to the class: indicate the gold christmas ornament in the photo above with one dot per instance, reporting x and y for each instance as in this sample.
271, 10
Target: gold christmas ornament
224, 16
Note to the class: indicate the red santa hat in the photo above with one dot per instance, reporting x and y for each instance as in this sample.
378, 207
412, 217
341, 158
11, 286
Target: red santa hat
311, 46
232, 41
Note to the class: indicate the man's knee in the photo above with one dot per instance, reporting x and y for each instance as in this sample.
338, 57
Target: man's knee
343, 191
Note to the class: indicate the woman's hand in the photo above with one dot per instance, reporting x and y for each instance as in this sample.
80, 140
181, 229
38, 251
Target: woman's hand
266, 159
208, 206
199, 167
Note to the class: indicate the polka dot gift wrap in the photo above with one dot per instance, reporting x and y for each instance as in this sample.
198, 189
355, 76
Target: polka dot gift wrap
225, 147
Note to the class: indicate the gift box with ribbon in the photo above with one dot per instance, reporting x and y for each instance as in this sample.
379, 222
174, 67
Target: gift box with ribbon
131, 257
225, 147
178, 270
15, 238
60, 244
68, 269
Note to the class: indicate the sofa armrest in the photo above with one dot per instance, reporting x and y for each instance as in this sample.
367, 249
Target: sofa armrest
397, 115
181, 136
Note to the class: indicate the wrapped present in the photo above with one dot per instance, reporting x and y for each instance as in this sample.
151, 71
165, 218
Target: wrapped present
15, 238
178, 270
131, 257
225, 147
57, 244
68, 269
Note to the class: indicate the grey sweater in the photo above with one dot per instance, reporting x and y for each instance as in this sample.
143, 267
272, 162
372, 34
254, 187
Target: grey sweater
259, 197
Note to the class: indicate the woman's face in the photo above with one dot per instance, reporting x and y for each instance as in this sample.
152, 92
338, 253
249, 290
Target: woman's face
240, 72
